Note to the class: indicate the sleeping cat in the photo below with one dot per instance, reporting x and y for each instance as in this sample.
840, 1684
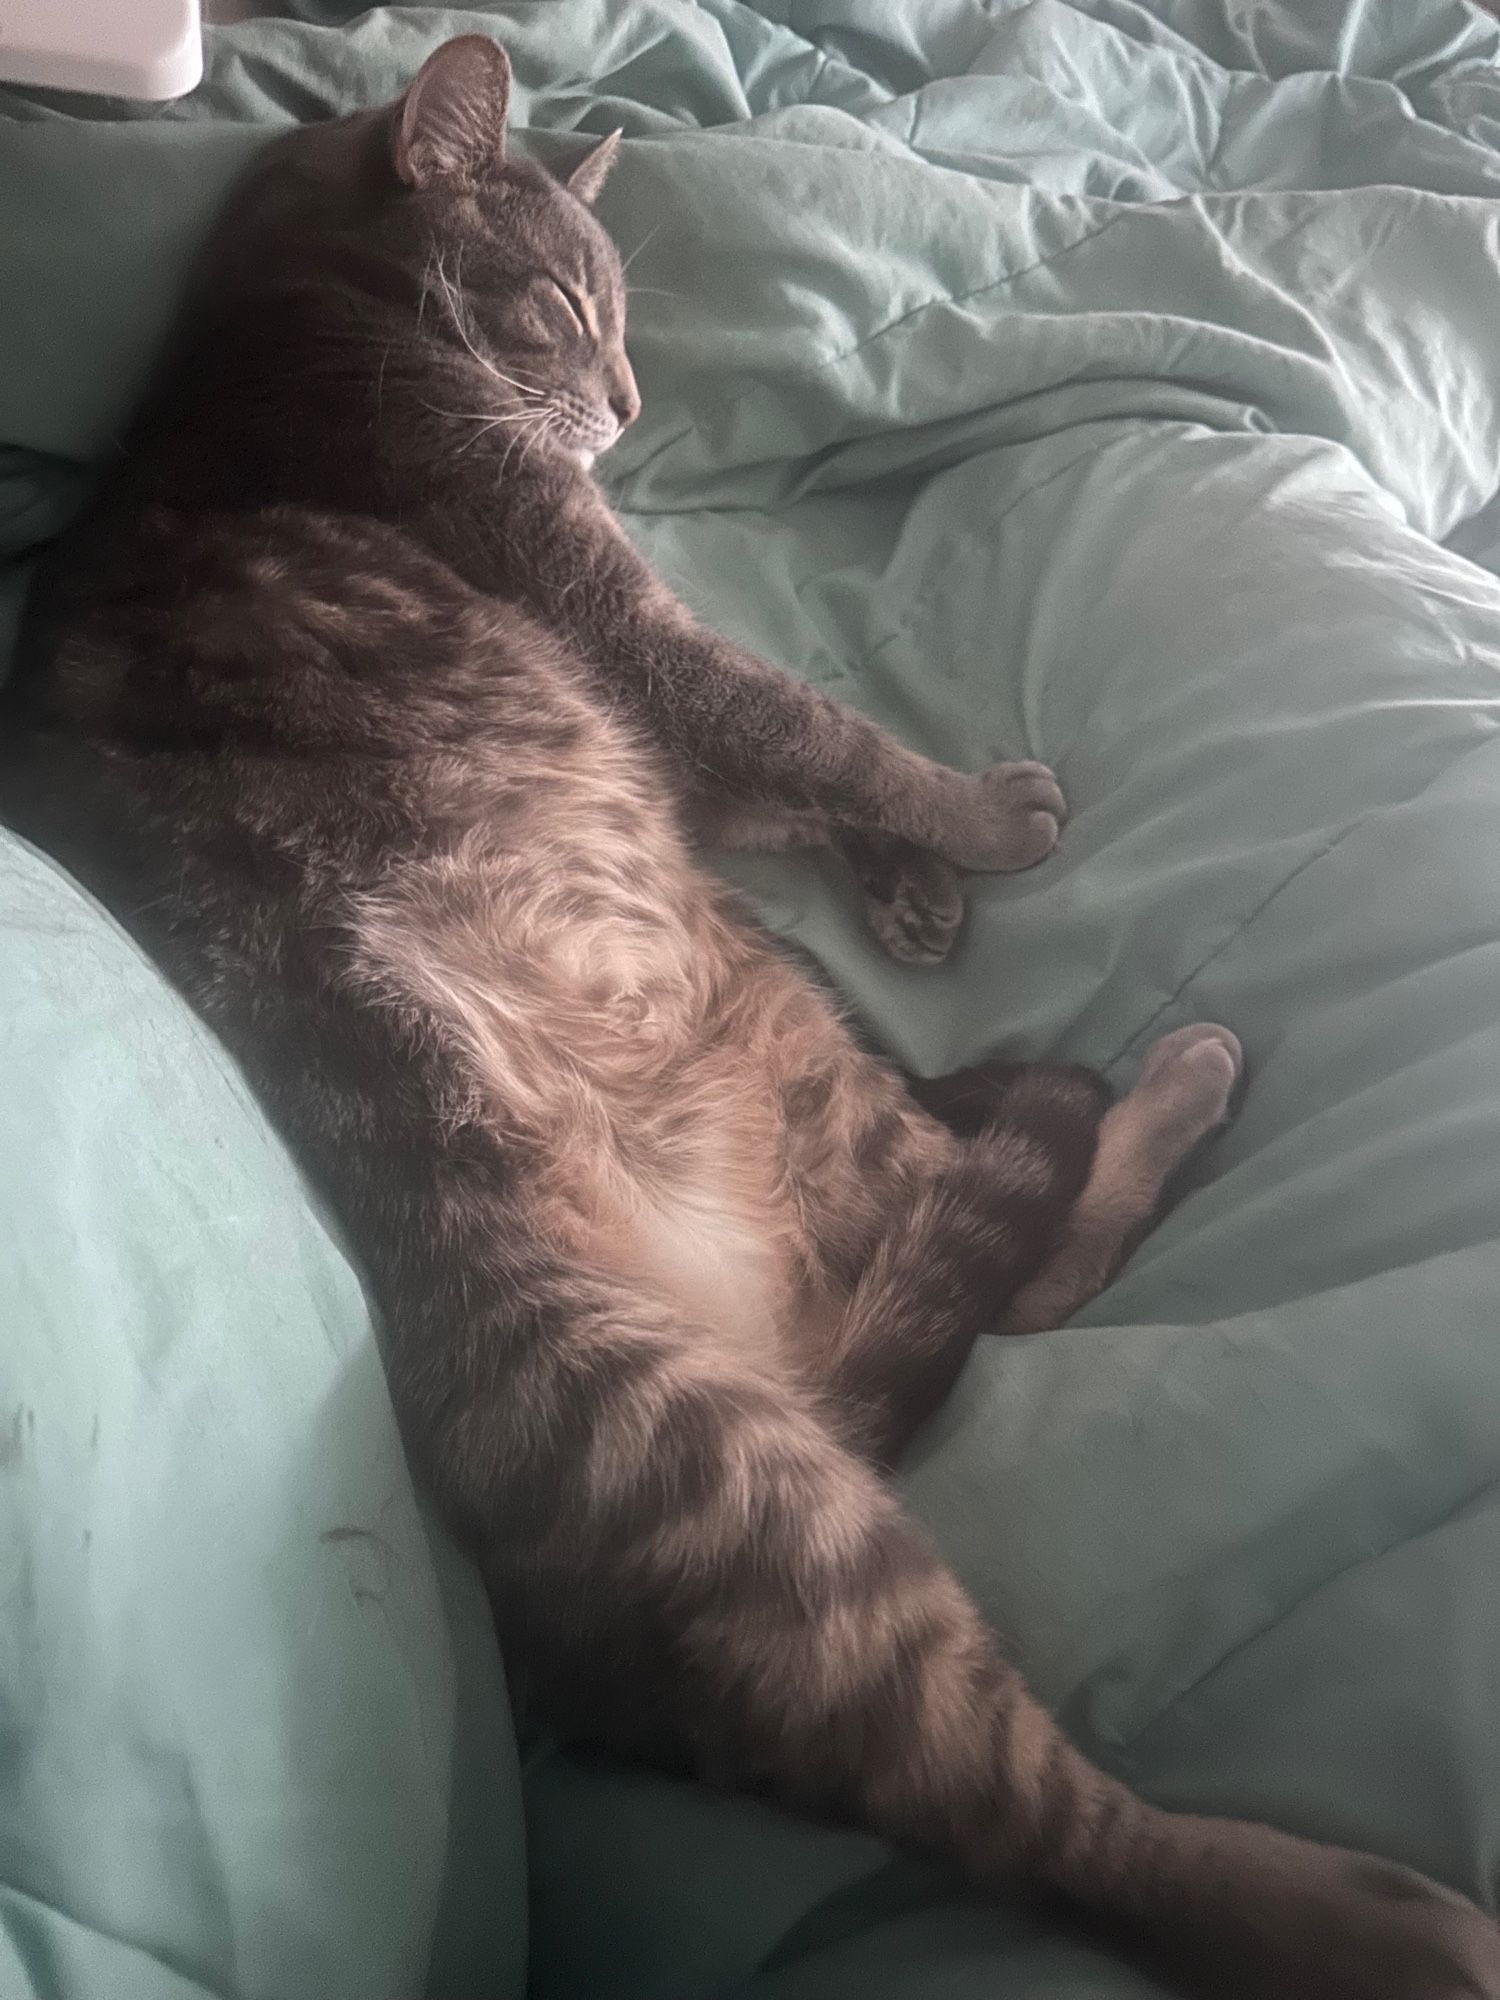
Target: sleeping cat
399, 757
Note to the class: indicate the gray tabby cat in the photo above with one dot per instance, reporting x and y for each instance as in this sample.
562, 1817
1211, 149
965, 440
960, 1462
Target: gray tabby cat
400, 757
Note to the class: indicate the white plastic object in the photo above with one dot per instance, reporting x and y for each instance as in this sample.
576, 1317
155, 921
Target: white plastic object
150, 49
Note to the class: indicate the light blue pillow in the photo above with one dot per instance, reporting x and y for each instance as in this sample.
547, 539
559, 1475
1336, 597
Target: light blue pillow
247, 1704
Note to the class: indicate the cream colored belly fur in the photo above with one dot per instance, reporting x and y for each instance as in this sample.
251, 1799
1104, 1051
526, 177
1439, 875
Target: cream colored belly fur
602, 1011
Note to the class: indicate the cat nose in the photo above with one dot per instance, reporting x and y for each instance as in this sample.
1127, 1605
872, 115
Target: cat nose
625, 400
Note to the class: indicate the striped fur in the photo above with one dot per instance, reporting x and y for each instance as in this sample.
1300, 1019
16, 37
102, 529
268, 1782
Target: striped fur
403, 750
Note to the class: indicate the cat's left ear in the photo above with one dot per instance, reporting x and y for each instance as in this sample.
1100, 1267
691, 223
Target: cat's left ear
592, 170
450, 128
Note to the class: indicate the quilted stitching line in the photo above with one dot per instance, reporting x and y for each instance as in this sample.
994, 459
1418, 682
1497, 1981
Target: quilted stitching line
1253, 915
904, 630
1362, 1561
806, 372
1250, 917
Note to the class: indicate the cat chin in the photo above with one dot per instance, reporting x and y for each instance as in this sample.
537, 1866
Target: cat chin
587, 455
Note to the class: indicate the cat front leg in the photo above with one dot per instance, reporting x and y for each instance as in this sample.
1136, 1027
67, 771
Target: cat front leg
914, 901
734, 725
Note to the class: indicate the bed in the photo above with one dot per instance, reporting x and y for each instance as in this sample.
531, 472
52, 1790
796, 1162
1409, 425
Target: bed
1109, 381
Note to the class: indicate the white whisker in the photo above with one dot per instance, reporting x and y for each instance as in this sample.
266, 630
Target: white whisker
482, 416
548, 427
426, 282
536, 381
455, 308
453, 298
521, 388
639, 248
529, 421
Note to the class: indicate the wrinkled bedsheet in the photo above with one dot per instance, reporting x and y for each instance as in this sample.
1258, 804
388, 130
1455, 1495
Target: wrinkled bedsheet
1108, 381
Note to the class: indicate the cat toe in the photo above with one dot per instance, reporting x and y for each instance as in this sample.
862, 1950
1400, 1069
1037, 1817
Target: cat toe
917, 924
1021, 812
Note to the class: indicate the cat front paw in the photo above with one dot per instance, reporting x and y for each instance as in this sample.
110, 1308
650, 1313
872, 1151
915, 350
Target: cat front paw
914, 901
1014, 815
916, 914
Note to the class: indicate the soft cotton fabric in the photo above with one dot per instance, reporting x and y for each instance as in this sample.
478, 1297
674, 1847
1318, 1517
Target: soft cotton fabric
1081, 379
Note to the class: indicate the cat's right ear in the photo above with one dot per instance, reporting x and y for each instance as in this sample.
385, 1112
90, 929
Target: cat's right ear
450, 126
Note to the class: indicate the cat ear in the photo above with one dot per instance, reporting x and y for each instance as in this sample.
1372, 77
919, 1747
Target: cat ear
592, 170
451, 125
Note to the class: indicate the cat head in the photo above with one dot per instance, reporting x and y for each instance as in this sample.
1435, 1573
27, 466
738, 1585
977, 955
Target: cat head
519, 264
506, 291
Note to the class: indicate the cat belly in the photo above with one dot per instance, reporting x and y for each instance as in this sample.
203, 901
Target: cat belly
590, 1008
704, 1239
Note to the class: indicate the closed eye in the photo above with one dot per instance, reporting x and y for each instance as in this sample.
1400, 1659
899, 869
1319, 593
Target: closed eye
576, 308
